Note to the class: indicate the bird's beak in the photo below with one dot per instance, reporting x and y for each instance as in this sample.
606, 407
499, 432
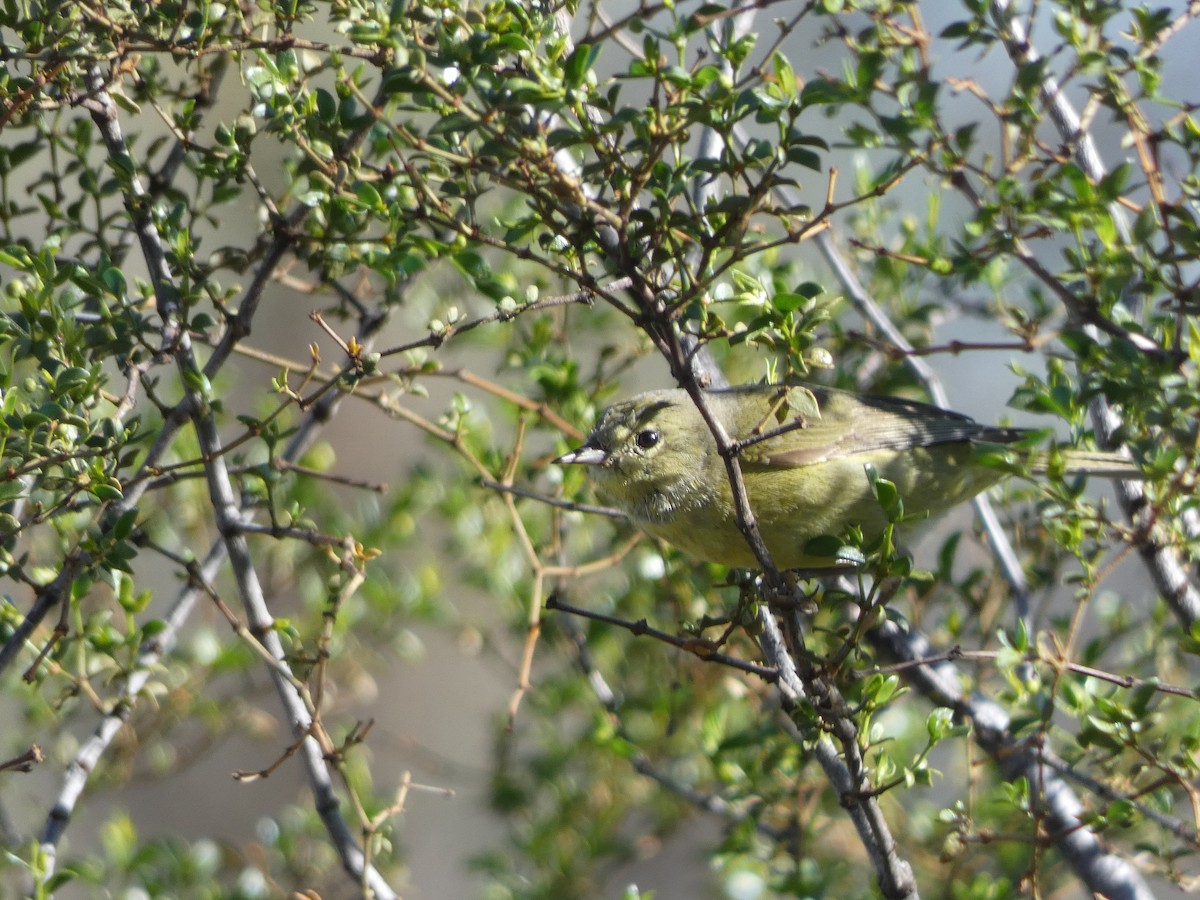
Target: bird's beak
585, 455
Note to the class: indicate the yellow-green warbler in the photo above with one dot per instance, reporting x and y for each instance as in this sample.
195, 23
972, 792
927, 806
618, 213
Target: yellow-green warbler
802, 453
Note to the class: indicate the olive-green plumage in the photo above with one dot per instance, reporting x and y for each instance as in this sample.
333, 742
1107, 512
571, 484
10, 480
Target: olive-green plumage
654, 458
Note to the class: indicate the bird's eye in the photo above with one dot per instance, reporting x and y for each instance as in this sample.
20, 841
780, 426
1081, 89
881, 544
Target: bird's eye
647, 439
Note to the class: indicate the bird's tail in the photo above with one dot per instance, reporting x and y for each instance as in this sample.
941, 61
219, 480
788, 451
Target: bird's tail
1096, 463
1100, 463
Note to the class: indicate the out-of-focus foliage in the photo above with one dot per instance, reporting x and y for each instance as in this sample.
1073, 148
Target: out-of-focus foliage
505, 215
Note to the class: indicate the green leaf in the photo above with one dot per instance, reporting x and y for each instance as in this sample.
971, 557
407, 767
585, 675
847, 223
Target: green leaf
824, 92
124, 524
105, 492
453, 123
786, 302
785, 77
802, 156
579, 63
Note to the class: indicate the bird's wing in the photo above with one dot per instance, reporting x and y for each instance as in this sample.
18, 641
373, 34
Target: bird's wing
850, 424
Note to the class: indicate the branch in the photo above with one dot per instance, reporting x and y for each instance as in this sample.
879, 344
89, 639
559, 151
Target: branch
695, 370
1104, 873
1079, 846
77, 773
177, 342
643, 764
1169, 574
846, 770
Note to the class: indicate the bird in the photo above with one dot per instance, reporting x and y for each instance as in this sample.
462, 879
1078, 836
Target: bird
804, 452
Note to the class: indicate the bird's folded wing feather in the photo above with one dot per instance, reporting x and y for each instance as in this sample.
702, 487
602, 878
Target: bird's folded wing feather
850, 424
